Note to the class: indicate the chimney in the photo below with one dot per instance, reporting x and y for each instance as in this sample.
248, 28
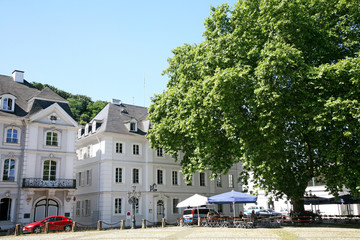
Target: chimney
115, 101
18, 76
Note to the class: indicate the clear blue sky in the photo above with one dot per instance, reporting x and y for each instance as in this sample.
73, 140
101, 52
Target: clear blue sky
101, 49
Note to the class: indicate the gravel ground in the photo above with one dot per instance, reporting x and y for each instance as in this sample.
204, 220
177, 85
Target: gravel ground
202, 233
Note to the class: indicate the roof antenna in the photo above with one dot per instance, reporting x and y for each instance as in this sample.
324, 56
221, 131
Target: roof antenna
144, 90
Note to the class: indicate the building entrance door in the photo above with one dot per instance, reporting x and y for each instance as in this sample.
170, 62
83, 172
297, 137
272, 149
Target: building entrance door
160, 210
45, 208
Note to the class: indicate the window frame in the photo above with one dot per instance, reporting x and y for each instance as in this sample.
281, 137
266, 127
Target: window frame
231, 181
18, 133
58, 137
175, 183
9, 170
50, 175
116, 175
175, 202
159, 152
118, 206
160, 176
120, 149
9, 107
202, 179
136, 150
136, 176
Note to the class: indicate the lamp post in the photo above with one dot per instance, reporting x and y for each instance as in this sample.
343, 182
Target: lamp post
133, 196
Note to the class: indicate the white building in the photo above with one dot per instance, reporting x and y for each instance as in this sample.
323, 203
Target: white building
37, 152
114, 155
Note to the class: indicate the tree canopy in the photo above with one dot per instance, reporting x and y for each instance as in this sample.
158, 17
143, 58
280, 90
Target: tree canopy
274, 85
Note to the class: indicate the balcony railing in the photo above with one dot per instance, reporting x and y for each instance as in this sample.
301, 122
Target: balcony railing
40, 183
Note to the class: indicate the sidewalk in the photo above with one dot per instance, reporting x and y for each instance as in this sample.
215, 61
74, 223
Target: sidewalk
201, 233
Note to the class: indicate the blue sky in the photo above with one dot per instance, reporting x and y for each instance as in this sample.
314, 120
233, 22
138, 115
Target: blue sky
101, 49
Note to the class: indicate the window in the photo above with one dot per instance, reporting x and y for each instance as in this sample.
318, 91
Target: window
160, 177
137, 205
51, 138
77, 210
231, 181
118, 175
88, 177
218, 182
86, 208
133, 125
117, 208
159, 152
12, 135
231, 208
220, 208
80, 182
49, 171
135, 175
175, 210
174, 178
136, 149
89, 150
7, 104
202, 179
188, 181
9, 170
119, 147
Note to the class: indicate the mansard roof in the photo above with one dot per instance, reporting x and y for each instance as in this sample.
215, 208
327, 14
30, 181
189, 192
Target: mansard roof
114, 118
29, 100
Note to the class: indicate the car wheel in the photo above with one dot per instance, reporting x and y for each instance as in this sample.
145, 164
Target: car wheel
37, 230
67, 228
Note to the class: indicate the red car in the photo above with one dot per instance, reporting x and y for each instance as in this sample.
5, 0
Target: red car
55, 223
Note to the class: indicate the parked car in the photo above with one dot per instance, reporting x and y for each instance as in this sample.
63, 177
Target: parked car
267, 213
248, 211
190, 215
55, 223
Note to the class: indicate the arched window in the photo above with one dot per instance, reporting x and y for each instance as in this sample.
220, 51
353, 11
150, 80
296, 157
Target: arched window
52, 138
49, 171
9, 170
12, 135
5, 209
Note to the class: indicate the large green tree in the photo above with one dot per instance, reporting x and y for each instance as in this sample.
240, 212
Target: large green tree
274, 85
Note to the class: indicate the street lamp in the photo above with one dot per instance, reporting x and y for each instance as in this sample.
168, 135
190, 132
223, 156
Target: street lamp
133, 196
153, 187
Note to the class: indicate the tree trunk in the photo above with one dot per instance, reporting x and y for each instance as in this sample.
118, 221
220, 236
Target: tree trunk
298, 205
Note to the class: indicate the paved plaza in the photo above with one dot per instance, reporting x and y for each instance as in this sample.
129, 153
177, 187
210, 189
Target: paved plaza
202, 233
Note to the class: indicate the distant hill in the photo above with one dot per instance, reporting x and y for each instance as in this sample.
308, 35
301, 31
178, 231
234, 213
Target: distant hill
82, 107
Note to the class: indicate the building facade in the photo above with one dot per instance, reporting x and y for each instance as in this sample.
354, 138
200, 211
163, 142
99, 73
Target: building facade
114, 156
37, 152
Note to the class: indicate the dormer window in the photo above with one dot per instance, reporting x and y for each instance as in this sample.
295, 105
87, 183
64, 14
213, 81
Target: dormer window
8, 103
86, 129
133, 125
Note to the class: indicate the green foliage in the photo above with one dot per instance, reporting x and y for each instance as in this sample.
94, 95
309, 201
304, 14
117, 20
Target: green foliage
82, 107
274, 85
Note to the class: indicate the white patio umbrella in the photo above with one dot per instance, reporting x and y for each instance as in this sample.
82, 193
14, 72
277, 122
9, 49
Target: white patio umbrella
194, 201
